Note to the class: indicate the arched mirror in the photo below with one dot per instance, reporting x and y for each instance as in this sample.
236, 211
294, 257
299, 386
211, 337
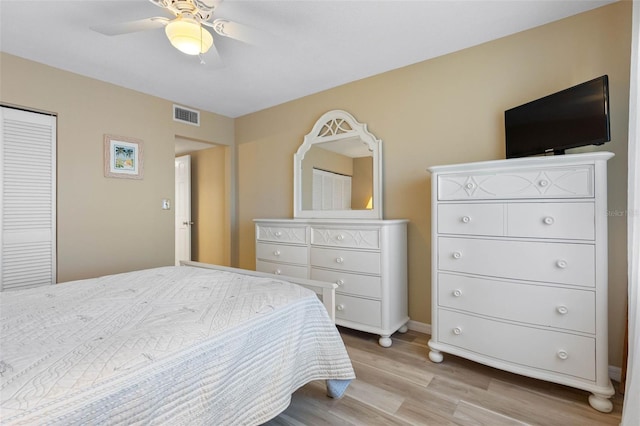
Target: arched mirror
337, 170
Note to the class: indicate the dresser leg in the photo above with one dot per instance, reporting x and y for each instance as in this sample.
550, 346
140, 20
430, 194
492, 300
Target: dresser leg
385, 341
403, 329
601, 402
435, 356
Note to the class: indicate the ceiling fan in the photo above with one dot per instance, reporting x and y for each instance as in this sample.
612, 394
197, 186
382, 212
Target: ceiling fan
186, 30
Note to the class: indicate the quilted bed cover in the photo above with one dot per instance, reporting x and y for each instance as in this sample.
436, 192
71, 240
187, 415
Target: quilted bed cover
172, 345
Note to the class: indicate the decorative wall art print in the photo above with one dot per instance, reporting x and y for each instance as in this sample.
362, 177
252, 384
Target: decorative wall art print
122, 157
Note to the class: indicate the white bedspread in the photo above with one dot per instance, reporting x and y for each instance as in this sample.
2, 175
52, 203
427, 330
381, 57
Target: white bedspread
173, 345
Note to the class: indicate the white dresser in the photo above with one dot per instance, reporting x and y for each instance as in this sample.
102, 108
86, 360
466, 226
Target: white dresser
519, 268
366, 258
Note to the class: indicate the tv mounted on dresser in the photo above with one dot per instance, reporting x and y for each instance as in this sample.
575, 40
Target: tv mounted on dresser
573, 117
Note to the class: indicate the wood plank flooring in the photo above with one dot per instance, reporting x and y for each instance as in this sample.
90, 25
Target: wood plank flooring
400, 386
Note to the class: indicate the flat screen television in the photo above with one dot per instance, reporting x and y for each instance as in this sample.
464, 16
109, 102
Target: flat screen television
573, 117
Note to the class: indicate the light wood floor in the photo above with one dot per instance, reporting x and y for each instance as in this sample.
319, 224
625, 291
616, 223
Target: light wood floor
400, 386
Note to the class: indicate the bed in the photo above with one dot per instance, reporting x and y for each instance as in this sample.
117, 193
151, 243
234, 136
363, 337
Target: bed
192, 344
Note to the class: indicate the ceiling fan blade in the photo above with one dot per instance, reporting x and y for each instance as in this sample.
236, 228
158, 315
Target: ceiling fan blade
131, 26
236, 31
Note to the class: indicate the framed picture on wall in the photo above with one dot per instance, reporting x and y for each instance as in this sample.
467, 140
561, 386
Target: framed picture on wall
123, 157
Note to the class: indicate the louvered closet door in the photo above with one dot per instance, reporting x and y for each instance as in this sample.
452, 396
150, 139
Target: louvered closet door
28, 219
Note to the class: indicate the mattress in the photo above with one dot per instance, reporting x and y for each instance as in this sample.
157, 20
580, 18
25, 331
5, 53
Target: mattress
172, 345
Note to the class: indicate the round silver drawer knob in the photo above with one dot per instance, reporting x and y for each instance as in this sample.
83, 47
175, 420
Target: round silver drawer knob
562, 264
277, 272
562, 354
562, 310
340, 237
339, 260
457, 331
276, 253
340, 282
469, 185
457, 293
340, 307
466, 219
457, 255
543, 182
548, 220
278, 234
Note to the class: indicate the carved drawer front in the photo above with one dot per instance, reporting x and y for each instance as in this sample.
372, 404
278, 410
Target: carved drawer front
283, 234
552, 182
295, 271
282, 253
354, 284
471, 219
569, 309
552, 220
344, 237
563, 353
364, 311
346, 260
536, 261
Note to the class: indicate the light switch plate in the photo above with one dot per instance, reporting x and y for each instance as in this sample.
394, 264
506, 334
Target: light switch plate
166, 204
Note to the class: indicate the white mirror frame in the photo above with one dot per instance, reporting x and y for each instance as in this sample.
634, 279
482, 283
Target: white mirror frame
329, 128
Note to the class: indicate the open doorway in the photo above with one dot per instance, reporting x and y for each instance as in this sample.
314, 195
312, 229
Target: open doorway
209, 225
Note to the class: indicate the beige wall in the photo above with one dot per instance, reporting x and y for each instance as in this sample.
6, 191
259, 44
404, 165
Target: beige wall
107, 225
210, 236
449, 110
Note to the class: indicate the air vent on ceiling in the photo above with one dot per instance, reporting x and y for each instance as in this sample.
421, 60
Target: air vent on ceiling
186, 115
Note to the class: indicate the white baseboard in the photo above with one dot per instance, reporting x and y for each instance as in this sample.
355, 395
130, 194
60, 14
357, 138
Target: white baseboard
615, 373
420, 327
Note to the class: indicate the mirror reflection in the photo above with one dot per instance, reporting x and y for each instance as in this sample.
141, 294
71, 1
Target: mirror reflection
337, 170
338, 175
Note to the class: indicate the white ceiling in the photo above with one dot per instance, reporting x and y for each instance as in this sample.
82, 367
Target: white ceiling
312, 45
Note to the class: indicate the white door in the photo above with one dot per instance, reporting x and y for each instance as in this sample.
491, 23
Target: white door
183, 208
27, 199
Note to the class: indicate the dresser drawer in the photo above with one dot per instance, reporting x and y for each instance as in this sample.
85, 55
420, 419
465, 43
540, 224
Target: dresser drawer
354, 284
295, 271
535, 261
551, 220
471, 219
551, 182
346, 260
283, 234
562, 353
282, 253
345, 237
569, 309
363, 311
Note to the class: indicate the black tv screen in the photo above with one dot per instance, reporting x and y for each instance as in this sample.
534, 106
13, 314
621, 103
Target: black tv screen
573, 117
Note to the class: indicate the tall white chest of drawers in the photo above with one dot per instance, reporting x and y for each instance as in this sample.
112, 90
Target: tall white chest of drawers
366, 258
519, 268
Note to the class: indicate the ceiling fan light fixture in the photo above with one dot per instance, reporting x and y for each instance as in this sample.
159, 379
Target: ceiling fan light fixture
188, 36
